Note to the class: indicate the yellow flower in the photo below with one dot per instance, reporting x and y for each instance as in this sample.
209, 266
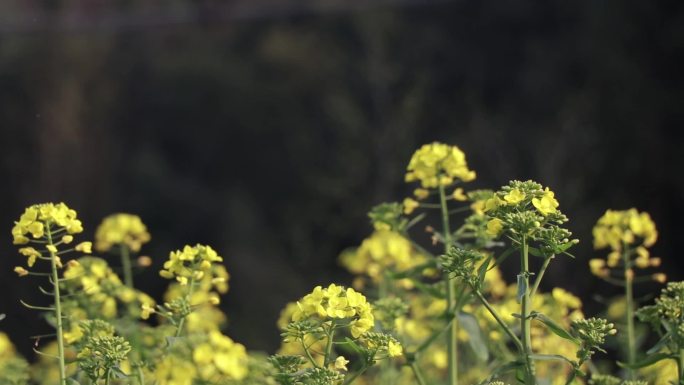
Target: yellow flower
341, 363
84, 247
185, 264
381, 251
659, 277
121, 229
36, 218
547, 204
438, 164
597, 267
394, 349
67, 239
31, 253
410, 205
421, 193
616, 227
494, 227
21, 271
459, 195
334, 302
514, 196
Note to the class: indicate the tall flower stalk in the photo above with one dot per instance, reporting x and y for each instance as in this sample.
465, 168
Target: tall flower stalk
49, 226
124, 233
628, 234
439, 166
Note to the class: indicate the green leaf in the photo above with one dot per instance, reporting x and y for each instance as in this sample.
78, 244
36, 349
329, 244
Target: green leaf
648, 361
522, 287
554, 327
483, 269
475, 337
535, 251
552, 357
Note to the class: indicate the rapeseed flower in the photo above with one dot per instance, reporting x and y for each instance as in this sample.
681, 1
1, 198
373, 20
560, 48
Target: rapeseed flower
438, 164
121, 229
37, 218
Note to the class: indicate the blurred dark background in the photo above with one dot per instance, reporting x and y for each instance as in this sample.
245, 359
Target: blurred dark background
268, 128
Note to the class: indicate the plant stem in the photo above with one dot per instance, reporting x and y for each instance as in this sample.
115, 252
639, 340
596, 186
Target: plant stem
500, 321
58, 309
629, 298
141, 375
525, 314
329, 344
452, 347
189, 297
418, 373
126, 265
108, 376
540, 275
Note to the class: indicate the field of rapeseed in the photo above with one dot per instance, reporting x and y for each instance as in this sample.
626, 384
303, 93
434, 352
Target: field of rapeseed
427, 313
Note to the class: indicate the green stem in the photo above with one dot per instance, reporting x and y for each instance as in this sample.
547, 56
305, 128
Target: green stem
452, 347
540, 275
58, 309
141, 375
418, 373
525, 313
126, 265
499, 320
629, 298
188, 295
108, 377
308, 354
329, 344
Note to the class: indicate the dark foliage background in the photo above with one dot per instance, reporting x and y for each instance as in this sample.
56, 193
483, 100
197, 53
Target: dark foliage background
267, 129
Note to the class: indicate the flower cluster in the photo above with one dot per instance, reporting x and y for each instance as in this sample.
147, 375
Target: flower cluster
121, 229
190, 264
438, 164
219, 356
628, 234
383, 252
334, 303
591, 333
45, 219
526, 210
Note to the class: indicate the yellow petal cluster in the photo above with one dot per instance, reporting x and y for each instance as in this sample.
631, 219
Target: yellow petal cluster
547, 204
628, 226
336, 303
36, 218
382, 250
438, 164
191, 263
121, 229
220, 357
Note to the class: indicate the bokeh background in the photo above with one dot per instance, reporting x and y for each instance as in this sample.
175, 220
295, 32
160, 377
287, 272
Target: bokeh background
268, 128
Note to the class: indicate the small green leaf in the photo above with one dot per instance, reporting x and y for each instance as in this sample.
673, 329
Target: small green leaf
475, 338
648, 361
552, 357
483, 269
555, 328
535, 251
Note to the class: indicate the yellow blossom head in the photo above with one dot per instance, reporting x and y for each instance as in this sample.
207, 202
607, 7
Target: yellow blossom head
336, 303
121, 229
37, 219
438, 164
618, 227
